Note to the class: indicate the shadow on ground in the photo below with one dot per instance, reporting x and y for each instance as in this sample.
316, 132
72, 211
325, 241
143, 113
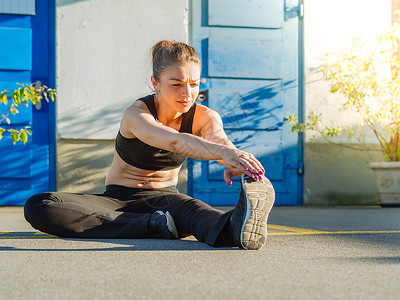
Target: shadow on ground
186, 244
369, 259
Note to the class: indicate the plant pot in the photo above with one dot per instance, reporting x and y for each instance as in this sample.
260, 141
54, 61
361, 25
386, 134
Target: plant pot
387, 176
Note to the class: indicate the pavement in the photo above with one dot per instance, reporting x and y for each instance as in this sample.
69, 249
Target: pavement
311, 253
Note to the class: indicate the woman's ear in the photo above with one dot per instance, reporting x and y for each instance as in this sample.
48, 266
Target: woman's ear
154, 82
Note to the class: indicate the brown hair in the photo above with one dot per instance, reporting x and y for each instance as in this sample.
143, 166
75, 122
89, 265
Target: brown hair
166, 53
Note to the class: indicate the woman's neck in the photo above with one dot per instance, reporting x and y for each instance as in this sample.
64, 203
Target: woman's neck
166, 115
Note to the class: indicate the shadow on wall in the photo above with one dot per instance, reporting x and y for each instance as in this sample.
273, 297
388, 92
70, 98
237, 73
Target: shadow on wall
87, 122
335, 175
252, 110
82, 165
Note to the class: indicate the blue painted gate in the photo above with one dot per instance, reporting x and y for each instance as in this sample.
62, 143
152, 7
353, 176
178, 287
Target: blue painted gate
26, 56
249, 52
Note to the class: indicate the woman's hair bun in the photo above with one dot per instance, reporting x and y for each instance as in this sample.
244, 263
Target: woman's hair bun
166, 53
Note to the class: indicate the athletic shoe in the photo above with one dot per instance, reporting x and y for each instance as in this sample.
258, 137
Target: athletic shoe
162, 226
249, 219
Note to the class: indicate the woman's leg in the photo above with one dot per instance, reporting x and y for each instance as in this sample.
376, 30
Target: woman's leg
125, 213
84, 216
248, 222
245, 226
191, 216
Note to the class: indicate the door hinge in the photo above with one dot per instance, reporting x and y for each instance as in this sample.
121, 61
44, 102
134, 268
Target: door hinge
203, 96
38, 85
300, 168
294, 12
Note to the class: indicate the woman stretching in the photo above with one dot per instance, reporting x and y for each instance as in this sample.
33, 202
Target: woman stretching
156, 134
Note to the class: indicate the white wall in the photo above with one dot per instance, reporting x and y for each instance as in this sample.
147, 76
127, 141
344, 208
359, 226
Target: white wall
334, 174
103, 54
330, 26
103, 59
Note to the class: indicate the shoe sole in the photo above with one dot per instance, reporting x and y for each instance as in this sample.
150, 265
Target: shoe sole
171, 225
260, 198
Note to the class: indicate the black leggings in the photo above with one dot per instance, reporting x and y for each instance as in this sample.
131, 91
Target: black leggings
122, 212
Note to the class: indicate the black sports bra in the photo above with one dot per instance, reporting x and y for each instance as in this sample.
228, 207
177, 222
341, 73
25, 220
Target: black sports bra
141, 155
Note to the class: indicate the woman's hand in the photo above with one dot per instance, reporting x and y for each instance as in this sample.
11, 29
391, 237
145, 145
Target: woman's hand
230, 173
241, 162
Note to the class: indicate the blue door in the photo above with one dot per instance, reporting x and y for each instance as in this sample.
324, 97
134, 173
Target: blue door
26, 56
250, 76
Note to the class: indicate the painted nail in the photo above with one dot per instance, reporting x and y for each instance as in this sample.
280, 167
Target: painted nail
246, 168
261, 172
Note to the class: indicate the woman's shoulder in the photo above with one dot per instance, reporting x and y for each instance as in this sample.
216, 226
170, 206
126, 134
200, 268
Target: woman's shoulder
204, 116
135, 114
205, 113
137, 108
139, 104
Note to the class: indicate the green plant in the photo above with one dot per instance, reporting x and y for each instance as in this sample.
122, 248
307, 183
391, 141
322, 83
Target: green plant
26, 94
369, 78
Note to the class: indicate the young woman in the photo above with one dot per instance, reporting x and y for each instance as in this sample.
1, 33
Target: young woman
157, 133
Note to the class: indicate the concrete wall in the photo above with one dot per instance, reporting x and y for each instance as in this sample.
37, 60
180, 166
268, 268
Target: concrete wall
83, 164
103, 65
103, 59
335, 174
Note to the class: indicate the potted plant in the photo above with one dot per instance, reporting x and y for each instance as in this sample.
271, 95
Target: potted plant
369, 79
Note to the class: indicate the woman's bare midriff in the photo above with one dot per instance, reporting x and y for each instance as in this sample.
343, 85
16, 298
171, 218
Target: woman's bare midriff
123, 174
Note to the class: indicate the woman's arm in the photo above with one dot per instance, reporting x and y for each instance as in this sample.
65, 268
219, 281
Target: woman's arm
138, 120
210, 127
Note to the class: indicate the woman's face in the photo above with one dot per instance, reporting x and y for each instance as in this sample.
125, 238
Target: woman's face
178, 86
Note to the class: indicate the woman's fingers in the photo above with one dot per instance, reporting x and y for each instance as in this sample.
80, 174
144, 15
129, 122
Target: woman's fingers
228, 176
255, 176
245, 162
254, 173
251, 164
231, 172
259, 165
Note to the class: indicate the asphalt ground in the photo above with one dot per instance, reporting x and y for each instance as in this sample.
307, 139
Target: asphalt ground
311, 253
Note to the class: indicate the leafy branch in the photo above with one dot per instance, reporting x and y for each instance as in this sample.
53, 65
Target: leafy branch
31, 93
368, 76
312, 124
